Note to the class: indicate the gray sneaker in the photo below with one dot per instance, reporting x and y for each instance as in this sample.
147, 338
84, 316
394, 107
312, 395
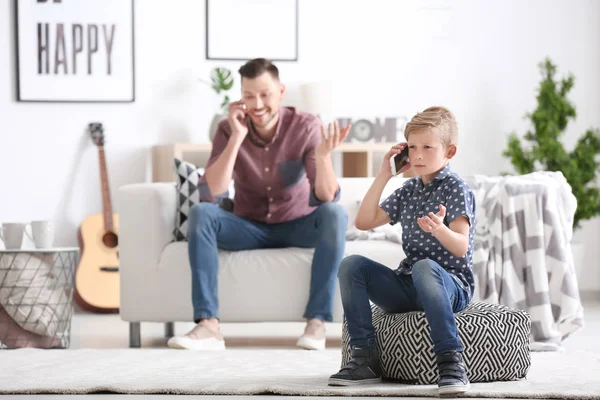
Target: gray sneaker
362, 368
453, 373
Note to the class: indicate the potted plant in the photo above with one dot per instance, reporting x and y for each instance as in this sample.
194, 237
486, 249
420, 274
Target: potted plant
221, 81
545, 151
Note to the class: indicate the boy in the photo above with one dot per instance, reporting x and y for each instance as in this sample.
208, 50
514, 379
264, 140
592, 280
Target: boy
437, 212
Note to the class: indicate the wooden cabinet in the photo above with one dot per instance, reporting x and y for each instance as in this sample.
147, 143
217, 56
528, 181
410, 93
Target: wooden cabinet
356, 160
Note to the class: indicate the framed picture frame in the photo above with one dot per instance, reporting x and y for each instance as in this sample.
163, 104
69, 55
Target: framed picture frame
240, 30
75, 51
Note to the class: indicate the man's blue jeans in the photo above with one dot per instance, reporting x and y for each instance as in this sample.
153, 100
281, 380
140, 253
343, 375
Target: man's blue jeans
430, 288
211, 228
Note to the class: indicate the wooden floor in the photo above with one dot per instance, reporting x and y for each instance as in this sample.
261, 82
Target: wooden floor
108, 331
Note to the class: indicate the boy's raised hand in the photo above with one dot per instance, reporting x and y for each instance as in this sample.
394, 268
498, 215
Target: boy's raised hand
432, 222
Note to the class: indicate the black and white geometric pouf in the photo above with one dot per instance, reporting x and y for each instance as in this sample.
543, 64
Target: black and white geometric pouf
495, 337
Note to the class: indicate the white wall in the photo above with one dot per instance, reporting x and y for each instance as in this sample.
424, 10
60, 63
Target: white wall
383, 58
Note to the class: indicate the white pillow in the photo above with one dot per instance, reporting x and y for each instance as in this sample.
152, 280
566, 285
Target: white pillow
384, 232
351, 207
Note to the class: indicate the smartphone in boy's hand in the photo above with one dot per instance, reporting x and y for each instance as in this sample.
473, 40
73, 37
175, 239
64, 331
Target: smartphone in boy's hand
398, 161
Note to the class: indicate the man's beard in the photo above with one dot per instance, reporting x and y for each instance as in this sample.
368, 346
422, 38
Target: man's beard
264, 125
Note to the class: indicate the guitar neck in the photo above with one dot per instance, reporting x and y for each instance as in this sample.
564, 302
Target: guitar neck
106, 203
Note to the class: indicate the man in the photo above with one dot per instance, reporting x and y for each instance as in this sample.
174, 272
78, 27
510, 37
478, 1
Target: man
285, 189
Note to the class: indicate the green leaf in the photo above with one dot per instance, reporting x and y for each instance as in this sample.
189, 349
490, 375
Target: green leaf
542, 147
225, 104
221, 81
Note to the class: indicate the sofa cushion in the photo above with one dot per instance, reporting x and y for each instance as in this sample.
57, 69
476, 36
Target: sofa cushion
495, 338
383, 251
353, 191
276, 280
283, 276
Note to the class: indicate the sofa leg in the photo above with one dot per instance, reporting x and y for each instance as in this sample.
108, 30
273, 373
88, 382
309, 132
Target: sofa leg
135, 335
169, 329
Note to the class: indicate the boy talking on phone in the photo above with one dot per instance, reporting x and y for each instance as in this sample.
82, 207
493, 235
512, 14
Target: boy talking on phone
437, 211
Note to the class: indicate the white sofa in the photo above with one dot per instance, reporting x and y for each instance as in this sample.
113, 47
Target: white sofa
254, 286
522, 257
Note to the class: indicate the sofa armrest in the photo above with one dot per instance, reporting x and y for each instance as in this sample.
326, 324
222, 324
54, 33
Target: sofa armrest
146, 222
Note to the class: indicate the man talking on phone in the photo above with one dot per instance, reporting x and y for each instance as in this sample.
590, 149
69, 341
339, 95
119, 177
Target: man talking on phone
285, 192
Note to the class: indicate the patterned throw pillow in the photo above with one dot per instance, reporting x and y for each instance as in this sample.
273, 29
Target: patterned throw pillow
188, 194
190, 190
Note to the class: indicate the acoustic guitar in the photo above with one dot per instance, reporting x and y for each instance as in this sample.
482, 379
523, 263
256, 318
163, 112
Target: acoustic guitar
97, 275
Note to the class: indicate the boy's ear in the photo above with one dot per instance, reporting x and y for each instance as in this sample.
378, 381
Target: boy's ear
451, 151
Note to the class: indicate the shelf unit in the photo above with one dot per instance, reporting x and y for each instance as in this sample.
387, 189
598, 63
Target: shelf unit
357, 158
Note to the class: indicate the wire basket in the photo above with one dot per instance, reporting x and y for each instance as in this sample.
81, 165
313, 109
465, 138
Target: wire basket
36, 298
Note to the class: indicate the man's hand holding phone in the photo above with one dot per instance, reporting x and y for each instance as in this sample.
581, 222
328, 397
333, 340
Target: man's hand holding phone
395, 161
237, 119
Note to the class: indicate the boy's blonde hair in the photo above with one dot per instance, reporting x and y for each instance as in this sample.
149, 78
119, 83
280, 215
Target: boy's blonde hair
440, 119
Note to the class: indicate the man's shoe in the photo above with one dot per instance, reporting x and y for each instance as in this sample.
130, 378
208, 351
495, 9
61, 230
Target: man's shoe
363, 368
314, 336
187, 343
200, 338
308, 343
453, 373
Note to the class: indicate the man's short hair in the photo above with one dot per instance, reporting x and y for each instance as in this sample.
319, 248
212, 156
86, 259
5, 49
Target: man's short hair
257, 67
440, 119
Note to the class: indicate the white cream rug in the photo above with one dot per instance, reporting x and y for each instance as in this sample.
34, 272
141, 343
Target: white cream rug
568, 375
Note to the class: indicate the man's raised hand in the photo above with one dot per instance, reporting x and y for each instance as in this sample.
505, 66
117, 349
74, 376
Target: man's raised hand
237, 119
333, 139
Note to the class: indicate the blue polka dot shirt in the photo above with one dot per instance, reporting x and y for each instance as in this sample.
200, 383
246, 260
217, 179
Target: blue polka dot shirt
415, 199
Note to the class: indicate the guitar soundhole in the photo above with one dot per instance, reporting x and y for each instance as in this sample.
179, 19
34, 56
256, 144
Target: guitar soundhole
110, 240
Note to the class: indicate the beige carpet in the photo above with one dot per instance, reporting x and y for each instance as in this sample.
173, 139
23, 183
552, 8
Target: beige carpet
572, 375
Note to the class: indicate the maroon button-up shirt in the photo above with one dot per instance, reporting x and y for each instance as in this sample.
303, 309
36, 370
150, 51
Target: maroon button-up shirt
274, 182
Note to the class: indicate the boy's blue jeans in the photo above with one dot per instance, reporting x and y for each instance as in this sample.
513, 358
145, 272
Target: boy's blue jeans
211, 228
430, 288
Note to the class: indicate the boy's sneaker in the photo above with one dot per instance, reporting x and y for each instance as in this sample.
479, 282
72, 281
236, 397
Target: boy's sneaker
453, 373
362, 368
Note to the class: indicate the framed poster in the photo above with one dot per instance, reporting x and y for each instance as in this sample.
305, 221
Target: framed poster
75, 50
247, 29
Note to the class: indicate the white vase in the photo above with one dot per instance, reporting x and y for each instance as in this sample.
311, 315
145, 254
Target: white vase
214, 124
